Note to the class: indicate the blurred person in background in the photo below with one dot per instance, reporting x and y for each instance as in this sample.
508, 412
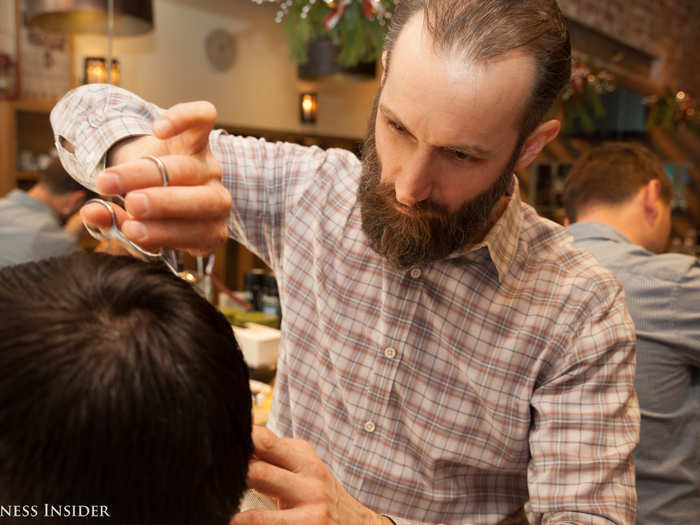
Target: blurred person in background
42, 221
618, 201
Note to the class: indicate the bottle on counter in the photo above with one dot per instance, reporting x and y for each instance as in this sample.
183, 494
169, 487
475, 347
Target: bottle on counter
270, 296
253, 282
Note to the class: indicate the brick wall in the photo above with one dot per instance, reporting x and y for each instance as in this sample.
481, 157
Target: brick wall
667, 29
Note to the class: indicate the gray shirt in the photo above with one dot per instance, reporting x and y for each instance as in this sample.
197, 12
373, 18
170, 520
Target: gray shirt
663, 296
30, 230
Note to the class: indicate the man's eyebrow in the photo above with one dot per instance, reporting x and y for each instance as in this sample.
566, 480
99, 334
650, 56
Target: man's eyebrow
471, 149
392, 116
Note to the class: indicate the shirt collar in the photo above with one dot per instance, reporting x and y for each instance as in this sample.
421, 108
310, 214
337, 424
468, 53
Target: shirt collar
23, 198
501, 241
597, 230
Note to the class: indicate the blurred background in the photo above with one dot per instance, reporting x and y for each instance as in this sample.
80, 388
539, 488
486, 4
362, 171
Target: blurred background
636, 76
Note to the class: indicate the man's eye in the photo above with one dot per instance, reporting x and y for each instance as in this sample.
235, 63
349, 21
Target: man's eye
397, 127
461, 155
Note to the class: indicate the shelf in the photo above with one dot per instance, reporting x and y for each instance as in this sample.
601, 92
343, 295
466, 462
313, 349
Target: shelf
33, 105
28, 175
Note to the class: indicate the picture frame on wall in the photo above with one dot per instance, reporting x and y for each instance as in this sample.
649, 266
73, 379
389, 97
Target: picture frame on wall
45, 61
8, 51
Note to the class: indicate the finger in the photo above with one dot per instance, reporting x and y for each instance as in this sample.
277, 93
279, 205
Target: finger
289, 488
211, 201
196, 118
182, 170
198, 237
98, 217
289, 454
306, 516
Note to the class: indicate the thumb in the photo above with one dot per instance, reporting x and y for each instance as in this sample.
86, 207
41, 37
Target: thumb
192, 121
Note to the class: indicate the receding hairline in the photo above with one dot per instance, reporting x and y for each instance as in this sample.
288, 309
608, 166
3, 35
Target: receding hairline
456, 53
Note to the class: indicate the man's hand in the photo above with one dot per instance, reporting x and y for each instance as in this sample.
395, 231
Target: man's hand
308, 494
191, 212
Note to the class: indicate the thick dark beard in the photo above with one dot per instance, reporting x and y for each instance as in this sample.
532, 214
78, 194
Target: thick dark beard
431, 233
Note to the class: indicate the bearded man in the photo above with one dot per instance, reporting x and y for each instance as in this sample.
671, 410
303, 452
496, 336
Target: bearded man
447, 355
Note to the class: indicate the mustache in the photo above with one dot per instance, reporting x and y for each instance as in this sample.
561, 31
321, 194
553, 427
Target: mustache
426, 210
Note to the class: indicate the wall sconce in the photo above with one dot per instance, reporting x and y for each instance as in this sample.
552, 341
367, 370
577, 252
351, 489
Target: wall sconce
95, 71
308, 104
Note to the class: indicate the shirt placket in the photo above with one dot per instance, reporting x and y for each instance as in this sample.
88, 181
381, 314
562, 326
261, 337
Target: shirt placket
388, 357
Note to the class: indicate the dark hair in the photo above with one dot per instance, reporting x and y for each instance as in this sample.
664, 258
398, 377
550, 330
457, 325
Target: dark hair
612, 174
57, 180
485, 29
120, 386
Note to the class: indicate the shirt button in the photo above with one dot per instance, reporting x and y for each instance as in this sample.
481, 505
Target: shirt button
95, 120
390, 353
415, 273
369, 426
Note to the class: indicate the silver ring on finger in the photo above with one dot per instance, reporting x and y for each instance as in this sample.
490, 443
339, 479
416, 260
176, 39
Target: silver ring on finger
161, 167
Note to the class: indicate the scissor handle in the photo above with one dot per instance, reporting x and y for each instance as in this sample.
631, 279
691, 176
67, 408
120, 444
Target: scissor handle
115, 233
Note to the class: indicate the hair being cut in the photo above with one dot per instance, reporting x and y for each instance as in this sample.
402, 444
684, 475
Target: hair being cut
119, 386
612, 174
480, 30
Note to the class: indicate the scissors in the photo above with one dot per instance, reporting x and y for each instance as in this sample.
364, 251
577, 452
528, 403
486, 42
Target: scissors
167, 257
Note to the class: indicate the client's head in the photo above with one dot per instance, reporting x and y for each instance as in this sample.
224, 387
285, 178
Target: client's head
119, 386
57, 189
624, 185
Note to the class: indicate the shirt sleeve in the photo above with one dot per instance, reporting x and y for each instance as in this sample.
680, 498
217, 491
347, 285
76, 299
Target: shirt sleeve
685, 318
90, 119
266, 180
54, 243
586, 421
269, 184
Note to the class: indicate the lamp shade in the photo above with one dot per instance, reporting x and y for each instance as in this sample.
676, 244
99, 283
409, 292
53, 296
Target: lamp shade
131, 17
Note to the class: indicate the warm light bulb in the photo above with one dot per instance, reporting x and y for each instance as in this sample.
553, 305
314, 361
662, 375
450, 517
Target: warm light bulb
307, 108
307, 104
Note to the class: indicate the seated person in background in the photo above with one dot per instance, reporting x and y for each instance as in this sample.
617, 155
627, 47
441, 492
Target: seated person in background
120, 388
619, 198
41, 222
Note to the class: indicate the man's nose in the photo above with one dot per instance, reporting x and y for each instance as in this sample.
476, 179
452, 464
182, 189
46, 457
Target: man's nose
414, 181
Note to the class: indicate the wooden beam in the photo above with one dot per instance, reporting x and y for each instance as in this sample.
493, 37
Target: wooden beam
557, 148
671, 150
8, 147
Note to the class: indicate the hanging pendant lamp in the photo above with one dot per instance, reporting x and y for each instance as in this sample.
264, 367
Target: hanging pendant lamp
131, 17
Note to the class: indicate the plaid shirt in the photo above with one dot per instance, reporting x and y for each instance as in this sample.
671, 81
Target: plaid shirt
448, 393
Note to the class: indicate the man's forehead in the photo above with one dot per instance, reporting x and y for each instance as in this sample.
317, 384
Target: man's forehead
419, 73
479, 104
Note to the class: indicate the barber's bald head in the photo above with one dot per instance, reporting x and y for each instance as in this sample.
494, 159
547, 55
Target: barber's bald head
482, 30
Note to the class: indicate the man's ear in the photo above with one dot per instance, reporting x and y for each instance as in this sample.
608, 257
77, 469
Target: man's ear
73, 200
651, 198
536, 141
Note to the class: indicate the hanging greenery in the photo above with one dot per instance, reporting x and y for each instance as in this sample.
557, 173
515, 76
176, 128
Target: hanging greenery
672, 109
581, 101
357, 27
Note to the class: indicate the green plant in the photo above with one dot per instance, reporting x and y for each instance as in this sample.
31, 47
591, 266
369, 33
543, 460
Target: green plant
581, 101
672, 109
357, 27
